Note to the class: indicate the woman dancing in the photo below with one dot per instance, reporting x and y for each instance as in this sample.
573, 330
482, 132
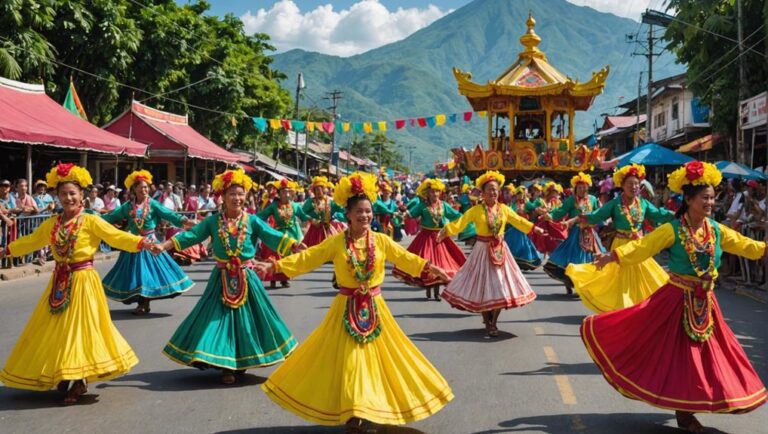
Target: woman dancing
520, 245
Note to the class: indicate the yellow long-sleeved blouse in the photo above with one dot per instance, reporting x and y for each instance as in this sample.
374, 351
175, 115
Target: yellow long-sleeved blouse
333, 249
92, 232
476, 215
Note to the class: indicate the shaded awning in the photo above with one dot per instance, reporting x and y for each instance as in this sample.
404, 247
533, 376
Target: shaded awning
28, 115
701, 144
262, 160
730, 169
653, 154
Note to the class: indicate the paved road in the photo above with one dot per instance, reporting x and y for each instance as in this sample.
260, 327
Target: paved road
536, 377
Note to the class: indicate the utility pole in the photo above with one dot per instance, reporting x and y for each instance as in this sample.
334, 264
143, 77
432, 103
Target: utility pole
299, 85
652, 18
637, 120
334, 96
741, 152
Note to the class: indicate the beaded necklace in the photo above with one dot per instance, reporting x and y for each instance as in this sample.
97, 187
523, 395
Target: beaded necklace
285, 211
362, 267
493, 216
633, 212
139, 221
235, 227
696, 248
322, 209
584, 205
64, 236
436, 212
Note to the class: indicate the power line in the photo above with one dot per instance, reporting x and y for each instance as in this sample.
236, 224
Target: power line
733, 60
727, 38
727, 53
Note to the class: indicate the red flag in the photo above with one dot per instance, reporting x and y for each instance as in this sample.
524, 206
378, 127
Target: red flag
286, 124
399, 124
328, 127
422, 122
467, 116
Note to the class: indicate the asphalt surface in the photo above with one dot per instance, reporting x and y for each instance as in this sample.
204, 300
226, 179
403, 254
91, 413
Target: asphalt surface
535, 377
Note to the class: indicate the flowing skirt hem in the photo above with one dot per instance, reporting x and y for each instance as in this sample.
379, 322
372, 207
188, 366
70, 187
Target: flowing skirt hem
203, 360
470, 306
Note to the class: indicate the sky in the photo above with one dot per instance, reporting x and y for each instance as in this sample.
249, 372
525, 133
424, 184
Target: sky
349, 27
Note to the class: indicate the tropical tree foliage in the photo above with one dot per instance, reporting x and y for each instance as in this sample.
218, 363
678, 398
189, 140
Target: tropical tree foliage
379, 148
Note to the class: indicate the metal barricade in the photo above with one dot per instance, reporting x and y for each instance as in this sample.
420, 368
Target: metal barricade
22, 225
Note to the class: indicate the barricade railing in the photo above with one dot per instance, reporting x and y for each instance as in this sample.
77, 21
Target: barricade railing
21, 226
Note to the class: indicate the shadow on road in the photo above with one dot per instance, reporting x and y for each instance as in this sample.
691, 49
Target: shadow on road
379, 429
125, 314
561, 368
14, 399
568, 319
180, 380
640, 423
556, 297
466, 335
434, 315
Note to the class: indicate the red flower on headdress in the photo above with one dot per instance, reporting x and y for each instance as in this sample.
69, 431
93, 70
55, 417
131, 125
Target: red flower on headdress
63, 169
694, 170
283, 183
227, 178
140, 178
357, 185
633, 172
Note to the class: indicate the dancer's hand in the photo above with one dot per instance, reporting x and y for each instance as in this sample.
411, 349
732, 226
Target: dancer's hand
604, 260
264, 268
189, 223
539, 231
157, 249
439, 272
440, 236
297, 247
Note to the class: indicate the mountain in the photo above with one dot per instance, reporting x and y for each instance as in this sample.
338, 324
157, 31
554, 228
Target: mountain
413, 77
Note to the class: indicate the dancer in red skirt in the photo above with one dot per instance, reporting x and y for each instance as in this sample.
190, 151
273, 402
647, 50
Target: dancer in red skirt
321, 209
434, 214
556, 231
674, 350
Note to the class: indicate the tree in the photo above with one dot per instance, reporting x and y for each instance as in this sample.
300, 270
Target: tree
379, 148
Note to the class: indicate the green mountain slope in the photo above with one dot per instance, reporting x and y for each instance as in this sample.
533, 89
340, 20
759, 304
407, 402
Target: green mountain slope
413, 77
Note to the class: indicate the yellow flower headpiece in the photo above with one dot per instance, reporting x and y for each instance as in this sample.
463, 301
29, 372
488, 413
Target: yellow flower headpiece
553, 185
137, 175
581, 177
286, 183
384, 186
511, 188
637, 170
68, 172
488, 176
358, 183
521, 189
223, 181
320, 181
427, 184
694, 173
535, 186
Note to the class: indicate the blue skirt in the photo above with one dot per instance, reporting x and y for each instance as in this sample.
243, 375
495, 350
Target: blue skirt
145, 275
522, 249
570, 252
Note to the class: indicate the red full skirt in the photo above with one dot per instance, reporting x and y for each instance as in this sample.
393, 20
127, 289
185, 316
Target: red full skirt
446, 255
318, 232
556, 233
411, 226
645, 354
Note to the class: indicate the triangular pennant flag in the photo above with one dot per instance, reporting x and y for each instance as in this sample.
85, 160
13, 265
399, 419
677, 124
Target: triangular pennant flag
311, 126
440, 119
412, 122
431, 121
399, 124
73, 104
482, 114
345, 127
260, 124
274, 124
358, 127
297, 126
467, 116
382, 126
286, 124
328, 127
367, 127
452, 118
339, 127
422, 122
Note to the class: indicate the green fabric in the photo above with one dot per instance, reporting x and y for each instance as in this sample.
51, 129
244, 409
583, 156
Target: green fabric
421, 210
570, 209
612, 210
257, 230
293, 227
533, 205
381, 207
309, 209
678, 258
157, 213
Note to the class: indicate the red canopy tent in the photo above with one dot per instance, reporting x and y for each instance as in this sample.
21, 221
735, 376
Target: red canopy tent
168, 134
30, 116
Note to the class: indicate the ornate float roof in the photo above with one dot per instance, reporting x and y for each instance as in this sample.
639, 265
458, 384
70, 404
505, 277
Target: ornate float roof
531, 75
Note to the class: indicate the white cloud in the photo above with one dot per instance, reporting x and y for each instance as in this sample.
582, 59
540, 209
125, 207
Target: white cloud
367, 24
626, 8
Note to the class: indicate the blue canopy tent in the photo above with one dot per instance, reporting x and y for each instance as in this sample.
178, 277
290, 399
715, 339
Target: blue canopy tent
653, 154
730, 169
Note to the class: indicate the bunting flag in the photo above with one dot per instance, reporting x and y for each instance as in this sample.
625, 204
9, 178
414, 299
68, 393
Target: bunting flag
358, 127
452, 118
422, 122
431, 122
345, 127
367, 127
72, 102
482, 114
286, 124
329, 127
310, 127
298, 126
440, 119
467, 116
400, 124
275, 124
260, 124
382, 126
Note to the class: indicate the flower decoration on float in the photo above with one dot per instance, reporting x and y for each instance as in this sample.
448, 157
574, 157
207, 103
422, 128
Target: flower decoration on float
582, 178
636, 170
694, 173
429, 184
356, 184
136, 176
231, 177
68, 172
489, 176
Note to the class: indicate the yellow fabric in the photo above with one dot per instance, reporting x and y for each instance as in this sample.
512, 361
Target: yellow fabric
617, 286
476, 215
275, 124
737, 244
331, 377
80, 342
334, 250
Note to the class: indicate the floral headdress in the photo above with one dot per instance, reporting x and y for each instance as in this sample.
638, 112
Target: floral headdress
427, 184
521, 189
320, 181
637, 170
356, 184
511, 188
535, 186
384, 186
694, 173
581, 178
223, 181
137, 175
68, 172
286, 183
551, 185
488, 176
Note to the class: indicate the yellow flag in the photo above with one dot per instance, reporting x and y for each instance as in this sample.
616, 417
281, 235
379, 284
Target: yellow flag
275, 124
345, 126
440, 119
482, 114
310, 126
367, 127
383, 126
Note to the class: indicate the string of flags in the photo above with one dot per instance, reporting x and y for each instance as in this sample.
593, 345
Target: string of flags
364, 127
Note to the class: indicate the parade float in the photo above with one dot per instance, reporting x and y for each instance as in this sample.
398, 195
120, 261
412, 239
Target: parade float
538, 104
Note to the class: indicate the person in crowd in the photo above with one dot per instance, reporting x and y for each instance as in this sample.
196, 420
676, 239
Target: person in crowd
93, 202
25, 203
111, 201
44, 201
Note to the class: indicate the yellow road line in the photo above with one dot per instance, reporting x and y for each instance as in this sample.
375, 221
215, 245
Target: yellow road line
562, 381
538, 330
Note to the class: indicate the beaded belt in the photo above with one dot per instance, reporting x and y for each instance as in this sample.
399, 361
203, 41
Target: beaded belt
361, 315
697, 305
234, 284
61, 289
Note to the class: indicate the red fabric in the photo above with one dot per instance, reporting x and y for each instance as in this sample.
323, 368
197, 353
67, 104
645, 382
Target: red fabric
328, 127
399, 124
30, 116
318, 232
556, 233
266, 254
286, 124
644, 352
467, 116
411, 226
446, 255
422, 122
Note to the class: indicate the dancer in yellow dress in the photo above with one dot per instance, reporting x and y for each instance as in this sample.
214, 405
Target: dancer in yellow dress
358, 365
616, 287
70, 339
